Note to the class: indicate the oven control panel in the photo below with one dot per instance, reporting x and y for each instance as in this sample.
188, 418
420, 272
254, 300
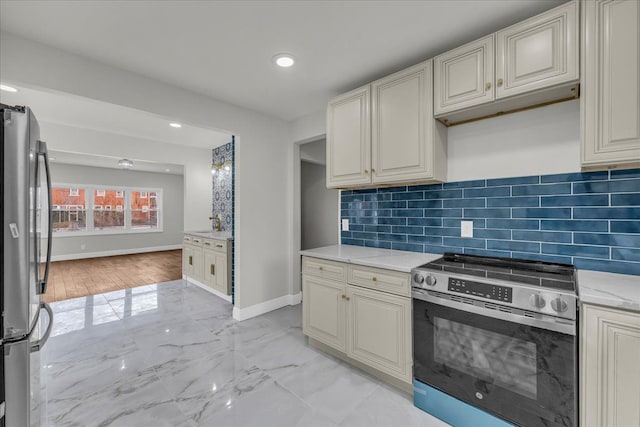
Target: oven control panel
484, 290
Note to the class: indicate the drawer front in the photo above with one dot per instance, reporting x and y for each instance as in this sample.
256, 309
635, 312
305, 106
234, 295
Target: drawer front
187, 239
195, 241
215, 245
394, 282
323, 268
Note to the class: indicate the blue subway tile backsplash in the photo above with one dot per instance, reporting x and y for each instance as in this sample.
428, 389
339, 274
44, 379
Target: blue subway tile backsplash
590, 219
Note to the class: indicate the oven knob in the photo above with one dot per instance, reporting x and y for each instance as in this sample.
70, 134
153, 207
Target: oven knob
559, 305
431, 280
418, 278
537, 301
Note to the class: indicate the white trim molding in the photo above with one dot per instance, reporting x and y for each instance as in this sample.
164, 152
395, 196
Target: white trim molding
207, 288
68, 257
241, 314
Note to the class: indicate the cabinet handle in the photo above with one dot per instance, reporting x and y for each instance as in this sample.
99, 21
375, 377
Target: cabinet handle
347, 298
344, 296
190, 260
373, 170
320, 268
500, 81
487, 86
366, 171
213, 269
218, 245
375, 279
207, 243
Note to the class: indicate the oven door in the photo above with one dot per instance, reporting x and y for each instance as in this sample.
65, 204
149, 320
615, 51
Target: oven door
524, 373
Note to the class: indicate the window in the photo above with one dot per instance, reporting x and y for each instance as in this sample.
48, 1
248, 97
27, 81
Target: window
113, 210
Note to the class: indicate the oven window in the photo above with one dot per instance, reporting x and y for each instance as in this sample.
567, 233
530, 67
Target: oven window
494, 358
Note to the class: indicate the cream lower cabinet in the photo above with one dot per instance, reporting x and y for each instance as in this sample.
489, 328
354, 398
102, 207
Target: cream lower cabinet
208, 262
610, 372
192, 261
610, 103
369, 326
215, 271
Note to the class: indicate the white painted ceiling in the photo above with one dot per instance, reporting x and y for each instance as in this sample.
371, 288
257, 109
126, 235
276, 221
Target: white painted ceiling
85, 159
224, 48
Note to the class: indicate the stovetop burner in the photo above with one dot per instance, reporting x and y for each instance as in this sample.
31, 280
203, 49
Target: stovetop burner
532, 273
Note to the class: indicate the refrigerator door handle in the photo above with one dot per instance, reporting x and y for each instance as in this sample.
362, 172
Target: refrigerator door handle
37, 346
42, 151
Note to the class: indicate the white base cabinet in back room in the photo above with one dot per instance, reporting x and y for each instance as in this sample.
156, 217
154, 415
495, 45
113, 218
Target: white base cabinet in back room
207, 262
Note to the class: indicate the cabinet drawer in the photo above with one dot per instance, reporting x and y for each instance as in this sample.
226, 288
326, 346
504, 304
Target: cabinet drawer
383, 280
216, 245
194, 240
324, 268
187, 239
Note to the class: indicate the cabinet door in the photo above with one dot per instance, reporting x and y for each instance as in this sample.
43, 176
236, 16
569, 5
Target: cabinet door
349, 139
196, 266
611, 82
215, 270
323, 308
402, 125
209, 272
610, 373
379, 331
463, 77
539, 52
187, 260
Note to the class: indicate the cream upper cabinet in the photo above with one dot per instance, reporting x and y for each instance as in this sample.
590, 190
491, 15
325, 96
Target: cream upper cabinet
324, 311
539, 52
379, 331
463, 77
610, 101
349, 139
610, 373
405, 142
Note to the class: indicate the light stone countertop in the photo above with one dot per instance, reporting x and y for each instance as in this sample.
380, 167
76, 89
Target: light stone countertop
219, 235
388, 259
609, 289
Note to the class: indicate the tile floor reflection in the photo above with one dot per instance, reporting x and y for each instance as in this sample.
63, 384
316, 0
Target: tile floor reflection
171, 355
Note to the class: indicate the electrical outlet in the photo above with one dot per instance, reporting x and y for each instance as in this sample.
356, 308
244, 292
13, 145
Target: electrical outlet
466, 228
345, 225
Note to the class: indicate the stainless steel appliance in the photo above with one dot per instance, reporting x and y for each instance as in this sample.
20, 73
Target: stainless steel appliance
494, 341
26, 232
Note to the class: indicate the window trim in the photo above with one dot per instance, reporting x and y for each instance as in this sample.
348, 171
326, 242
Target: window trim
90, 207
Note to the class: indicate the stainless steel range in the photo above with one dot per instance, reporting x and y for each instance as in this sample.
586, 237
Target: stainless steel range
494, 341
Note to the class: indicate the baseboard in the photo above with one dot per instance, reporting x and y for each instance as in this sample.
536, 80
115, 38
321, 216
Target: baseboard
206, 288
84, 255
241, 314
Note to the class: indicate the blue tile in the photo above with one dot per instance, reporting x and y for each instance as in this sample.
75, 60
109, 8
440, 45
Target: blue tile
520, 202
392, 221
487, 233
429, 240
392, 189
576, 250
366, 212
377, 197
521, 224
345, 192
542, 236
441, 231
392, 205
579, 176
353, 242
408, 212
606, 213
425, 187
443, 194
377, 228
582, 200
560, 213
429, 204
401, 229
541, 189
574, 225
392, 237
541, 257
409, 195
487, 213
407, 247
356, 227
366, 191
511, 245
630, 199
345, 234
625, 173
609, 266
429, 222
363, 235
485, 252
465, 184
435, 249
455, 222
377, 244
464, 242
463, 203
625, 226
626, 254
364, 220
590, 187
449, 213
628, 240
620, 186
513, 181
487, 192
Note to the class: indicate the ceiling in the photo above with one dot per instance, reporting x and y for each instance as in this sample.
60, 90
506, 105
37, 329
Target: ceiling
93, 160
224, 49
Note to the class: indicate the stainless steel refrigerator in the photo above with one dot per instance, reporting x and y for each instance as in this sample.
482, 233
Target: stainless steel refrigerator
26, 255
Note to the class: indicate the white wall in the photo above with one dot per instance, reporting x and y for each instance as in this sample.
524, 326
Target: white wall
319, 211
314, 152
264, 176
71, 247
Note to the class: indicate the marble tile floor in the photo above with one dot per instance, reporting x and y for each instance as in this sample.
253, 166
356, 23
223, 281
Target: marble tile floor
171, 355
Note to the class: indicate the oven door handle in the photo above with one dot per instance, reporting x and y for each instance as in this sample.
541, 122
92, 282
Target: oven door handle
562, 326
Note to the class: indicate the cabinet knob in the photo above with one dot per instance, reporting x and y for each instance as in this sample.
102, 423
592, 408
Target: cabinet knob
366, 171
375, 279
343, 296
500, 81
320, 268
487, 86
373, 170
347, 298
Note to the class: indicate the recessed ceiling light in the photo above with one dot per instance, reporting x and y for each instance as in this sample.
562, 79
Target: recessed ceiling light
175, 125
8, 88
284, 60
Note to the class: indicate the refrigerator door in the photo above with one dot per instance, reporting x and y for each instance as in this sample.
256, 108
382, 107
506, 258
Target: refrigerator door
17, 383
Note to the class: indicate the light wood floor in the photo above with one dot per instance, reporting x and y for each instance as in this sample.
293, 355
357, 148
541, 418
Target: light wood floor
78, 278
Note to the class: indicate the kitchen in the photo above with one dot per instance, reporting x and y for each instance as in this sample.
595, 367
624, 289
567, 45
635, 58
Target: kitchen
267, 219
